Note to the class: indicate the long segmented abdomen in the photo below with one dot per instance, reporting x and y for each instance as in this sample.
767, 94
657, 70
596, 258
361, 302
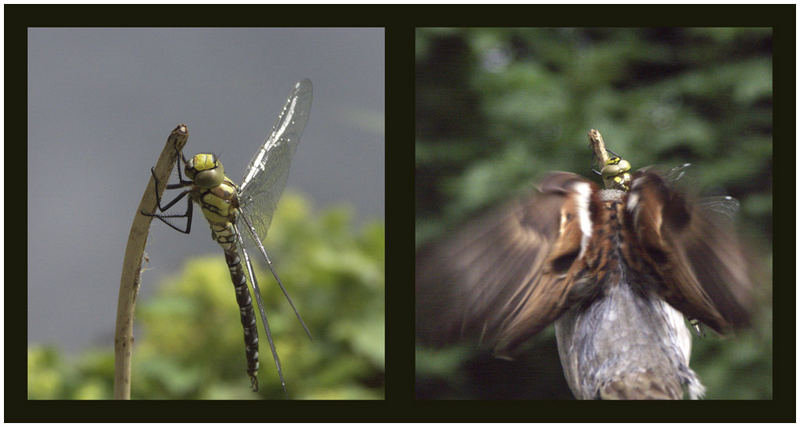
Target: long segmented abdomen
247, 313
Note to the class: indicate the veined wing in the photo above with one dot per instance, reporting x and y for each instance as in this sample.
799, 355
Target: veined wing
261, 309
266, 175
724, 205
252, 238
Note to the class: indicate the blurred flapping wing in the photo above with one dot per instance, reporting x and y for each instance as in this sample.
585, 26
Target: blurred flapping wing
503, 277
699, 265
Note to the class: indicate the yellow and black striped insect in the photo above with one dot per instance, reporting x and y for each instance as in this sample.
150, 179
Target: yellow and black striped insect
229, 209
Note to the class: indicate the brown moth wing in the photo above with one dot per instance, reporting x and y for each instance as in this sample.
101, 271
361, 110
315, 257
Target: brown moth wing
698, 262
501, 276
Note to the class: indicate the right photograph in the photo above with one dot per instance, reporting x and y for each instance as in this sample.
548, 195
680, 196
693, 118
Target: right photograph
593, 211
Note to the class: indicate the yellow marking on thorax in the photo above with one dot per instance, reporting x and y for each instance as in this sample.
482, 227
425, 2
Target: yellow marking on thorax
217, 203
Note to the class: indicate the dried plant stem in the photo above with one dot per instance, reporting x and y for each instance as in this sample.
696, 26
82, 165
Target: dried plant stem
132, 263
599, 147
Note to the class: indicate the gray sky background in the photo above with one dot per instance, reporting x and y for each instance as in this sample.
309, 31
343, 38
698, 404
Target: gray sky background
101, 103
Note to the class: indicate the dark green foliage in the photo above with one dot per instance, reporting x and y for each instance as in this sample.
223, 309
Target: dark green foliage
189, 341
498, 108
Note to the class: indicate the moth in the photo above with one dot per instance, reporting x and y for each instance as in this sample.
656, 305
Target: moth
617, 269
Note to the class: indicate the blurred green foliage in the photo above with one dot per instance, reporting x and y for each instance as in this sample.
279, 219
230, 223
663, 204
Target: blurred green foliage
189, 339
497, 108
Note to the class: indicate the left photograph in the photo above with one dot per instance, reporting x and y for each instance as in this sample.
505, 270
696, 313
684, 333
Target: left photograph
159, 273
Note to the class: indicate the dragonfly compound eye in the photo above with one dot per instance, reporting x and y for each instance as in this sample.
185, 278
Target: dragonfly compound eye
205, 170
210, 178
202, 162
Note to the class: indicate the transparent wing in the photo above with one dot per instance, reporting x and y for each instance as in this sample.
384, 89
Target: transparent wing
252, 239
261, 309
676, 173
265, 177
724, 205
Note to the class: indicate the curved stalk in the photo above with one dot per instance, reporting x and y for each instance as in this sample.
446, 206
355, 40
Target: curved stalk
132, 263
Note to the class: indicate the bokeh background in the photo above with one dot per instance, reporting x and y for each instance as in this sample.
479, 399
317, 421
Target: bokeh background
101, 103
496, 108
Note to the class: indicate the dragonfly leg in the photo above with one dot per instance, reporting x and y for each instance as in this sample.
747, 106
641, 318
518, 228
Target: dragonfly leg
181, 184
187, 215
696, 326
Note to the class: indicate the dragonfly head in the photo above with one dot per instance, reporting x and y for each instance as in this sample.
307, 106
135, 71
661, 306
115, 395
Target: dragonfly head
205, 170
616, 173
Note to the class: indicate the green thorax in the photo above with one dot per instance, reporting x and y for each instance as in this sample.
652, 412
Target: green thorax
213, 191
616, 174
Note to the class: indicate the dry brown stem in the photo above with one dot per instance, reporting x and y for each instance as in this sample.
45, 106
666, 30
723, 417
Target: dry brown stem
132, 264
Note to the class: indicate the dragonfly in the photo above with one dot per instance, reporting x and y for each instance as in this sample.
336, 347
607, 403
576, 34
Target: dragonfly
231, 208
616, 269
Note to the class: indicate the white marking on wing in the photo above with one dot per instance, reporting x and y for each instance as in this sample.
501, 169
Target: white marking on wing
584, 191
